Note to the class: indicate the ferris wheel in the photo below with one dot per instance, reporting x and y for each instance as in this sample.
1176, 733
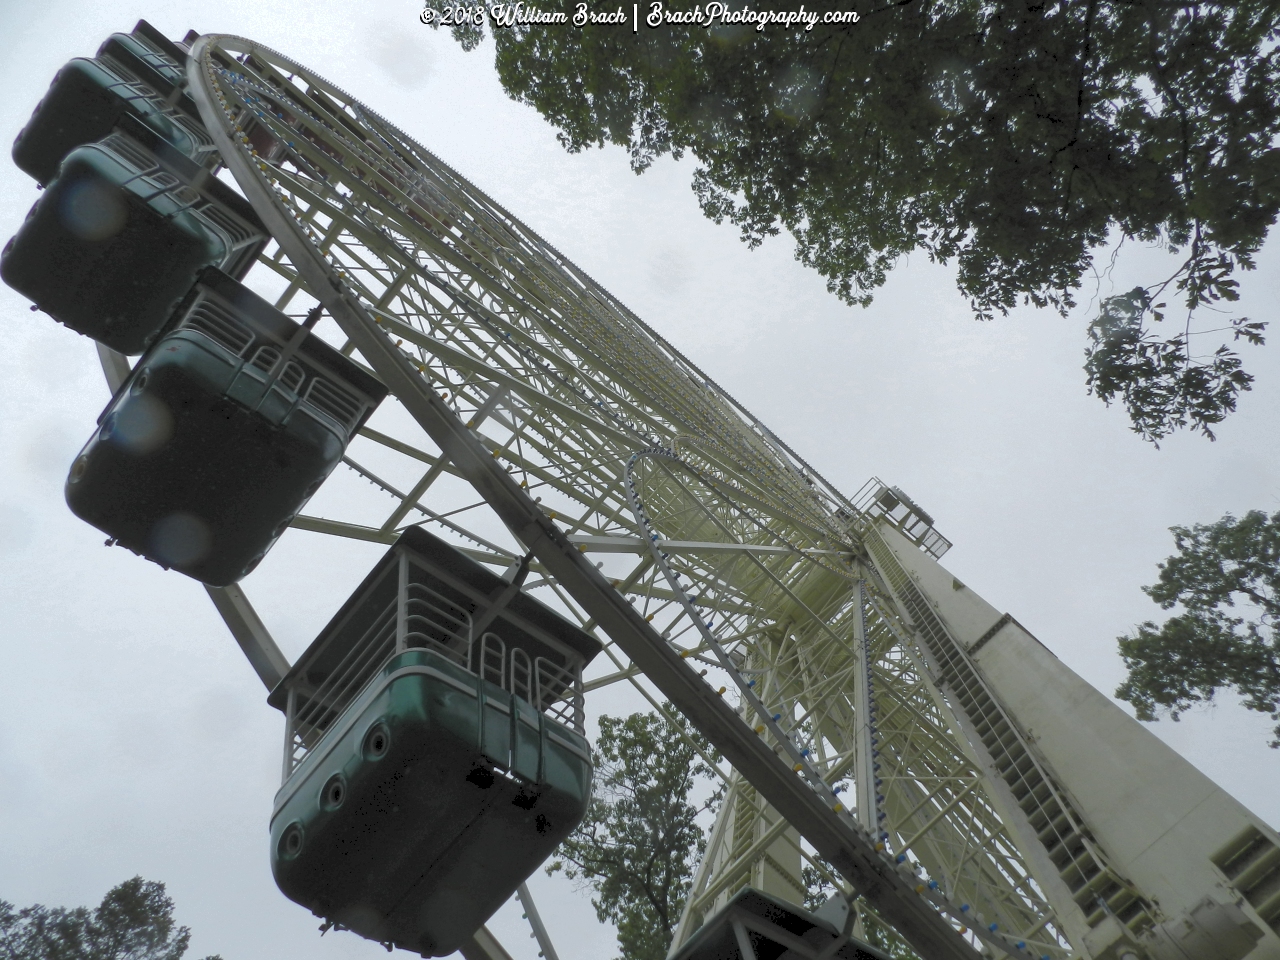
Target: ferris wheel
526, 436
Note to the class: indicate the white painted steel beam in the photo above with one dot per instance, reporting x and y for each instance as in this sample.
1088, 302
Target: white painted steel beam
547, 949
620, 544
830, 832
250, 633
483, 945
450, 299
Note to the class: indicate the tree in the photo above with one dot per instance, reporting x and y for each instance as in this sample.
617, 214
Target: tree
1016, 139
640, 840
1210, 645
133, 922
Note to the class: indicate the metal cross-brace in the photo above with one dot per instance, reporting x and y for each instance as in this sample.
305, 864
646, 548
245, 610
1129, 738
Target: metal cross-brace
830, 832
483, 945
531, 914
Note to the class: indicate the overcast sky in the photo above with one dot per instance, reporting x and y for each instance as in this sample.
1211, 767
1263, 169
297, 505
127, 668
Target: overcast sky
134, 738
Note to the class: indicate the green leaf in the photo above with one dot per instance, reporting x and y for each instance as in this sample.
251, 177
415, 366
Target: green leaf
638, 845
133, 922
1218, 568
1160, 384
1013, 141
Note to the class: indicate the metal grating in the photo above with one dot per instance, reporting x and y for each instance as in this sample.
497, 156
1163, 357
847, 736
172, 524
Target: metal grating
330, 398
877, 499
1095, 887
1251, 862
239, 232
133, 153
433, 622
220, 325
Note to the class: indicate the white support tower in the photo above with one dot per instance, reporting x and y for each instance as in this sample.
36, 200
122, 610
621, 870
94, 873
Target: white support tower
885, 726
1150, 853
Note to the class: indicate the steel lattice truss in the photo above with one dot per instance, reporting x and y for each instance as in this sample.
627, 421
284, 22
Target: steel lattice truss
740, 555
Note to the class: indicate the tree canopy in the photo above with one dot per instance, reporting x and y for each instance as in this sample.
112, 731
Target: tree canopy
1016, 140
1226, 578
133, 922
638, 845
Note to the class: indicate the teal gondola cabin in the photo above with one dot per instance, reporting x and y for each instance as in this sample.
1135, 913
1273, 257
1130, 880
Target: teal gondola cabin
133, 75
434, 751
222, 432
